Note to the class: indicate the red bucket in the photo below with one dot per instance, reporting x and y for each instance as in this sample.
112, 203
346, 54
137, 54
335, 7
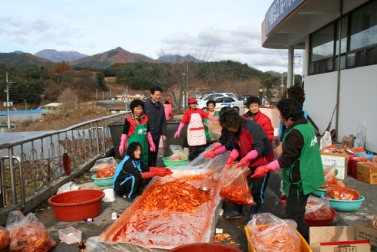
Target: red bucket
77, 205
205, 247
321, 222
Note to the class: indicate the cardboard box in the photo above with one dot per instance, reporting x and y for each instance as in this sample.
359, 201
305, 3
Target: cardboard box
369, 233
345, 246
317, 235
341, 161
366, 174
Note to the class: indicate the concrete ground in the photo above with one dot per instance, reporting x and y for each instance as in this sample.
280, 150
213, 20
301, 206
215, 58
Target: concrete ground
234, 228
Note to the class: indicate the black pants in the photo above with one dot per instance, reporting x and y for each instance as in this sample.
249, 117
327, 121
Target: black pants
295, 210
130, 188
152, 155
194, 151
257, 186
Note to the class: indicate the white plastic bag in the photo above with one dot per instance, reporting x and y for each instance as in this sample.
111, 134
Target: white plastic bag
325, 140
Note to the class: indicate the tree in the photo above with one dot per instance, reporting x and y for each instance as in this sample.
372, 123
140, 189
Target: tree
101, 81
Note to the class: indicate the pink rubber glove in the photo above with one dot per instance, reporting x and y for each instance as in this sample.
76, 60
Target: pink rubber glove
233, 156
147, 175
220, 150
121, 145
152, 147
216, 119
246, 159
262, 170
181, 125
216, 146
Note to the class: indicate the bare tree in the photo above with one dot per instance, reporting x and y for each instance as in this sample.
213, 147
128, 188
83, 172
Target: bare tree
68, 95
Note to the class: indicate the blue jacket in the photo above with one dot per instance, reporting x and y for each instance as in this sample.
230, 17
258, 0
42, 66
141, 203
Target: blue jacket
156, 118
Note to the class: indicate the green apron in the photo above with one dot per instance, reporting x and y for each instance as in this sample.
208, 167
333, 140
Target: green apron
311, 169
140, 136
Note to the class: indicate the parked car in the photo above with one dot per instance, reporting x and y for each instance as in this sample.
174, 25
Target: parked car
225, 101
205, 93
214, 96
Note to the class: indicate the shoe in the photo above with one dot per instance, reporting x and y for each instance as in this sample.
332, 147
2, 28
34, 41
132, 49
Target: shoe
128, 199
283, 201
282, 196
233, 215
253, 210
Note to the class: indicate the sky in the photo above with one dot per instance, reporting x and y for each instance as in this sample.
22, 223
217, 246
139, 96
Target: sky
214, 30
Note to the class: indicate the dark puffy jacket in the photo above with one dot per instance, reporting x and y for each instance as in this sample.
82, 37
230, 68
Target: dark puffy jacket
156, 118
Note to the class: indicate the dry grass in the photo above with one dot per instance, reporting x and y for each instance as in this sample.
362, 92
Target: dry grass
66, 115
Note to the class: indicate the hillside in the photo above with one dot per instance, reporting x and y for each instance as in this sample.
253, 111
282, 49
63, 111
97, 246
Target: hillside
23, 59
106, 59
59, 56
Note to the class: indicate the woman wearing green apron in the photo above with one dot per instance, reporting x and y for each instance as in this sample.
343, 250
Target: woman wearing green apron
136, 130
300, 161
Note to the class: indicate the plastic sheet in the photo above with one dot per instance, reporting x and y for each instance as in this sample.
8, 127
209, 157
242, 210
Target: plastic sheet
140, 230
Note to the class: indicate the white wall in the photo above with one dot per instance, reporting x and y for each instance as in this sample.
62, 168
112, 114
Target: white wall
357, 102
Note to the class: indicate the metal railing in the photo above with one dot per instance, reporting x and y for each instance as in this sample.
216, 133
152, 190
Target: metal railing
36, 161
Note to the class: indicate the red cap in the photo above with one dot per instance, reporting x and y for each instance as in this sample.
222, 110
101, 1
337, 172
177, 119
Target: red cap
170, 102
192, 100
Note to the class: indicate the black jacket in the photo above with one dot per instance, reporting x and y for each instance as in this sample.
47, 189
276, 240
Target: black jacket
156, 118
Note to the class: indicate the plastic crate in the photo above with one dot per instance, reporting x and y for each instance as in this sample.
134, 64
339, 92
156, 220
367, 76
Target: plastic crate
168, 162
102, 181
345, 205
304, 246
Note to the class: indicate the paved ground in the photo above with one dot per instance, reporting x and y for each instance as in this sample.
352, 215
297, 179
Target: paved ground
234, 228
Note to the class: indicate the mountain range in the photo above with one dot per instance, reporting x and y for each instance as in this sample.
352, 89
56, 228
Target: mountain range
102, 60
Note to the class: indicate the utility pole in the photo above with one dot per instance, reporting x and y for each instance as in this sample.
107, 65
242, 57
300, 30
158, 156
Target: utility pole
7, 90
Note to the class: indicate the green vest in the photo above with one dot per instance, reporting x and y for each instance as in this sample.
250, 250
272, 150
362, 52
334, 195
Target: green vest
311, 169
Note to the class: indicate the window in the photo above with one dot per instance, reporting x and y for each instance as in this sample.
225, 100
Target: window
358, 45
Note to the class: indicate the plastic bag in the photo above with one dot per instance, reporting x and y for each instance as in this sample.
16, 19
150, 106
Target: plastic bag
317, 208
325, 140
105, 167
269, 233
27, 233
330, 177
236, 189
178, 153
70, 186
214, 129
342, 193
4, 237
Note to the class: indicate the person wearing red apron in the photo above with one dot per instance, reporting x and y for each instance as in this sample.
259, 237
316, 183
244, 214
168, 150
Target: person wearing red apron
136, 130
196, 137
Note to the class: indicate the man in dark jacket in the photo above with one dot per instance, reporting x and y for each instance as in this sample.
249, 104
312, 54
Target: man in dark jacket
157, 121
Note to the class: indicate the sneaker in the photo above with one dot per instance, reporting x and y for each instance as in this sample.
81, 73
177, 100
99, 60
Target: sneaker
282, 196
128, 199
283, 201
233, 215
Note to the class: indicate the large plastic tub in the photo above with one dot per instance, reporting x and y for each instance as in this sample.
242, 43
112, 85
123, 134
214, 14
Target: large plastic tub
168, 162
102, 181
304, 246
205, 247
77, 205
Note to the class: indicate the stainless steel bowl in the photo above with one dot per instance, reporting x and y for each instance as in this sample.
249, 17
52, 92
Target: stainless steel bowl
204, 189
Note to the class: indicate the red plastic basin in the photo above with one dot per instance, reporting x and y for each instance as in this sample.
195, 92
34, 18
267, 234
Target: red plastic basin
77, 205
205, 247
321, 222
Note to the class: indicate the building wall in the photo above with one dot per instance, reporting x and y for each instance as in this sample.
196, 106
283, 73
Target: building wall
357, 102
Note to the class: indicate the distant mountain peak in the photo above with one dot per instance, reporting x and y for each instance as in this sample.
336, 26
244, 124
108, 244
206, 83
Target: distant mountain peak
177, 58
59, 56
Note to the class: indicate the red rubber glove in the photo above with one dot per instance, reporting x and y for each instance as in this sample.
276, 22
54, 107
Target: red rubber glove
260, 172
209, 155
216, 146
147, 175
